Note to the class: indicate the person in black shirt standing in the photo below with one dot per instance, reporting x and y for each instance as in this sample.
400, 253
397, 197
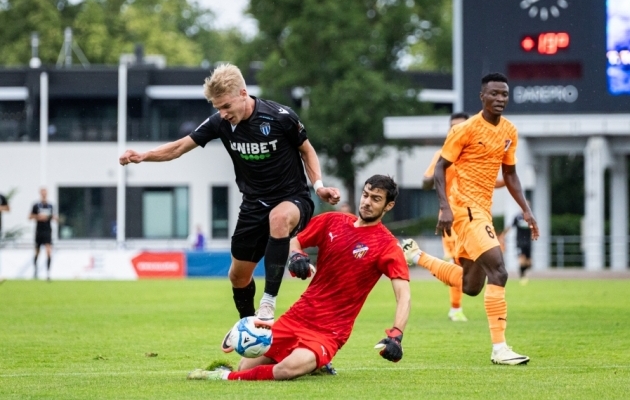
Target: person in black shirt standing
523, 243
4, 207
43, 214
270, 151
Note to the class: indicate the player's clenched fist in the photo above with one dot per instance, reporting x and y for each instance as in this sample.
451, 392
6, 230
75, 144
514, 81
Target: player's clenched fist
391, 347
130, 156
300, 265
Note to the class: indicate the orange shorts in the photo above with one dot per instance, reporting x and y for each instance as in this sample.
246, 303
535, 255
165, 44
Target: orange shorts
475, 232
289, 335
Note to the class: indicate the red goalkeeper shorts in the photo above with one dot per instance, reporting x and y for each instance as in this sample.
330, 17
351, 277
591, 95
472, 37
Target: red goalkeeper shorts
289, 335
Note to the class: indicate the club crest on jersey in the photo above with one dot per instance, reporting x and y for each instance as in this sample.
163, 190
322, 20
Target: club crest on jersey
508, 142
359, 250
265, 128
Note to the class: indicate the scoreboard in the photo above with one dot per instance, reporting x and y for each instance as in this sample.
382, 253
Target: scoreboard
560, 56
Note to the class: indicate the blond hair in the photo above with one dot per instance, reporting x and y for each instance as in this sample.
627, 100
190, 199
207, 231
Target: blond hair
225, 79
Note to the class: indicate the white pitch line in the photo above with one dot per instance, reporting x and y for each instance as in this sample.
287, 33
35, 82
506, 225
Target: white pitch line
104, 373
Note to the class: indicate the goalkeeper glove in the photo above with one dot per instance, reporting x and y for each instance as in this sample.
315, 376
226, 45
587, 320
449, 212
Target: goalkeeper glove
300, 265
391, 348
412, 251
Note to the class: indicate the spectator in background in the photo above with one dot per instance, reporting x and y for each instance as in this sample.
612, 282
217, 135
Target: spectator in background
4, 207
43, 214
198, 239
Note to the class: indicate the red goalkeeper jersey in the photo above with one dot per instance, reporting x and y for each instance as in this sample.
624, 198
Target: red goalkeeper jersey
349, 263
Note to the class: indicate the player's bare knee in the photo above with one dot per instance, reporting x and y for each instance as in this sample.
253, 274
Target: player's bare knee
280, 224
498, 277
472, 289
239, 279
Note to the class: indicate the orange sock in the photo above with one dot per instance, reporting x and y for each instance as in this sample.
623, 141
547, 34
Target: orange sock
496, 310
456, 296
447, 272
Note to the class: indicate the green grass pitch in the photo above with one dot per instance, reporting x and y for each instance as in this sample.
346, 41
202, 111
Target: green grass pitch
88, 339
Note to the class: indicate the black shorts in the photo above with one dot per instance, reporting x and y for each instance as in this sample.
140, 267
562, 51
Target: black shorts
525, 249
43, 238
252, 228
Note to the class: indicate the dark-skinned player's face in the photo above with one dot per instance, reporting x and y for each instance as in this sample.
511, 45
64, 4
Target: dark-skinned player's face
373, 204
495, 97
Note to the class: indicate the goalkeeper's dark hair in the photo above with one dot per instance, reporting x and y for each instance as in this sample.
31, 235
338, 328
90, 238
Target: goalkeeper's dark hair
386, 183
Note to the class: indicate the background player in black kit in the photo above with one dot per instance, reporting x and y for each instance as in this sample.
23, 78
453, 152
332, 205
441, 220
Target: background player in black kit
42, 213
4, 207
523, 243
269, 150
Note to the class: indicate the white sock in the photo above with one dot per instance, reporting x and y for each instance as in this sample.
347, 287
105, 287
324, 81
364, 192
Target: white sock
497, 346
269, 299
454, 310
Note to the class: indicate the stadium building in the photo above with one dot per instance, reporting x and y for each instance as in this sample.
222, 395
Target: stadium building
64, 128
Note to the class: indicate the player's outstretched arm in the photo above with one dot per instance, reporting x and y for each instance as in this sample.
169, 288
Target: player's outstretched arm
402, 291
391, 347
513, 184
313, 170
166, 152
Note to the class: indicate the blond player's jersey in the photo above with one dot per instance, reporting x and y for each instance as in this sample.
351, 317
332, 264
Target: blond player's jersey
450, 172
477, 149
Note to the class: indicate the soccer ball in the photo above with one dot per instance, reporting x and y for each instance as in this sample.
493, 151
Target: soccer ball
249, 340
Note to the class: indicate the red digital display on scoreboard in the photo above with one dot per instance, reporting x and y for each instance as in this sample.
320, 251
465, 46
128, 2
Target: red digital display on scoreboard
547, 43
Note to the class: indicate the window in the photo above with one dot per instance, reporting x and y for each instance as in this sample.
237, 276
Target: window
219, 216
83, 120
87, 212
415, 204
12, 121
157, 212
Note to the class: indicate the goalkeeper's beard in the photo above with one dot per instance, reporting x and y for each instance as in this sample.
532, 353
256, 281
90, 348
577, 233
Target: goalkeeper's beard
373, 218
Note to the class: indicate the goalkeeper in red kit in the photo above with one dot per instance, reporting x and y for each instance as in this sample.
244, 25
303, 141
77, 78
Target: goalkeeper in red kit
354, 252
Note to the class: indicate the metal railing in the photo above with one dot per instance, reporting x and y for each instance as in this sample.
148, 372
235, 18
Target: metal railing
566, 251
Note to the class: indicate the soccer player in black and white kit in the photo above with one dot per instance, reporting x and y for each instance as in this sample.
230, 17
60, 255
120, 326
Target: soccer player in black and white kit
270, 150
42, 212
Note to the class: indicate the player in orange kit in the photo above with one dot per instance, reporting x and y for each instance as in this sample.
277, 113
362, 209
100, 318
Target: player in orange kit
456, 313
477, 148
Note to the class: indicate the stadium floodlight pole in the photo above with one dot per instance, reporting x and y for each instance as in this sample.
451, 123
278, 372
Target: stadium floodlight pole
458, 55
43, 128
122, 142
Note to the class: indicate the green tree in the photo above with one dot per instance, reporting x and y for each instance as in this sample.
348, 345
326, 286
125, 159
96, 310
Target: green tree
18, 20
98, 36
104, 29
162, 26
345, 55
431, 49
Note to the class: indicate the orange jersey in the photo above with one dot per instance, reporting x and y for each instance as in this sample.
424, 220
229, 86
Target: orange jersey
450, 172
477, 149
